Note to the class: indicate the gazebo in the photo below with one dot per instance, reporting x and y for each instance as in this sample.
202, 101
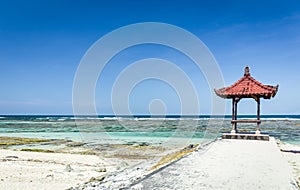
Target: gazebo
246, 87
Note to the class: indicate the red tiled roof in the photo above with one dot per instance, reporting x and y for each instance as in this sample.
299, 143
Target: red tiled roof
247, 87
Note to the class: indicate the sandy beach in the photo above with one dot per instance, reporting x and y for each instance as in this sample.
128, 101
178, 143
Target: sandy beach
224, 164
32, 163
35, 170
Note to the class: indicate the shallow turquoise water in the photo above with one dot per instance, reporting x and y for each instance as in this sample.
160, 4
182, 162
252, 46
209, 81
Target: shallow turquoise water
142, 129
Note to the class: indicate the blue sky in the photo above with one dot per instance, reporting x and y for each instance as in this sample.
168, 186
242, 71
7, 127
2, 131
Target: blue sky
42, 43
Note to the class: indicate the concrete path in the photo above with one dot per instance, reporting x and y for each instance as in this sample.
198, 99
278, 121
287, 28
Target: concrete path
227, 164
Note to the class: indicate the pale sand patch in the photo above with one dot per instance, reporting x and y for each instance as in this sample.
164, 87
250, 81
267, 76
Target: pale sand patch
294, 161
292, 154
34, 170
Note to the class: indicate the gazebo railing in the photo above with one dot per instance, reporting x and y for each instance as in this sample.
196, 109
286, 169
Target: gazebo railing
246, 121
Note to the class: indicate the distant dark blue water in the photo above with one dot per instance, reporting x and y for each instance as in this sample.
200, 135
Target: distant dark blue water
47, 117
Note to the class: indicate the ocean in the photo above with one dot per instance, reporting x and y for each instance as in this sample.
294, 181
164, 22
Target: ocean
143, 129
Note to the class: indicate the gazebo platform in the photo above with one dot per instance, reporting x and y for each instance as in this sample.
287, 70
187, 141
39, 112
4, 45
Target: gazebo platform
246, 136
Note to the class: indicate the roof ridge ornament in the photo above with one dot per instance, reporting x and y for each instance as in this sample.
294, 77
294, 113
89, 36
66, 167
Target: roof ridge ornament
247, 71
